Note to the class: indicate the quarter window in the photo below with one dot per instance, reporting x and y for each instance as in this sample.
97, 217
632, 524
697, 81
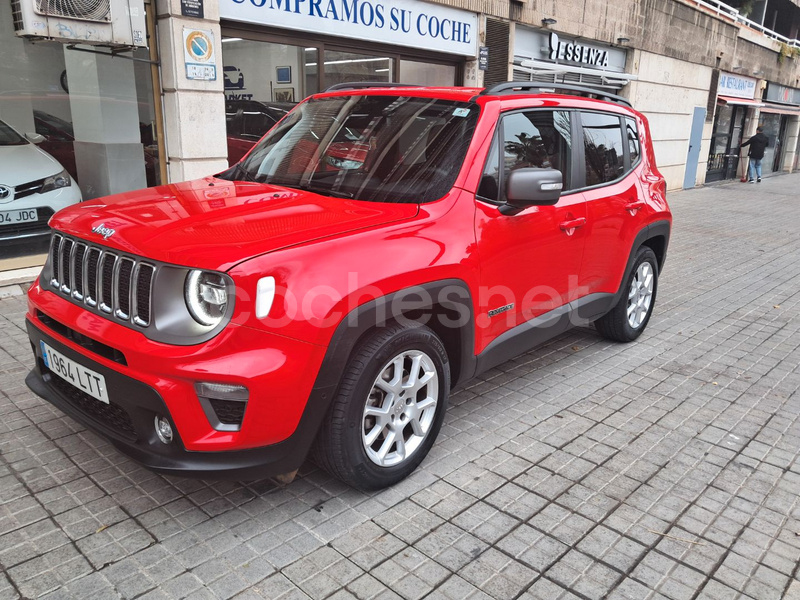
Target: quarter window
633, 140
602, 138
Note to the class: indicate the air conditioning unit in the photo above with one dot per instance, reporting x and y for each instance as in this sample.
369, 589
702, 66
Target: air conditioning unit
115, 23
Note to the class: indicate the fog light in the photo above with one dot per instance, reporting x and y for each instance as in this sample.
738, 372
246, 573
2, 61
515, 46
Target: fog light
163, 429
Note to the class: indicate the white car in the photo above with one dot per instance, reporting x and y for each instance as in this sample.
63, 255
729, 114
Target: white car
33, 186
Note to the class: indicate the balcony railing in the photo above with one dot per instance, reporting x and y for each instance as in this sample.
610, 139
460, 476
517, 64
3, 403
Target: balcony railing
723, 10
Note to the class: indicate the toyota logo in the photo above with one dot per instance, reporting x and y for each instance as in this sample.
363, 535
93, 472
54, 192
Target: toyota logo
5, 192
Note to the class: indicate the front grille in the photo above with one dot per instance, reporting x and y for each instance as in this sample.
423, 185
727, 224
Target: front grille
118, 285
28, 189
228, 412
112, 416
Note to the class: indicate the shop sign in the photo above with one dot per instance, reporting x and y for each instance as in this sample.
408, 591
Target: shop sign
192, 8
782, 94
411, 23
583, 54
483, 58
736, 86
548, 46
198, 54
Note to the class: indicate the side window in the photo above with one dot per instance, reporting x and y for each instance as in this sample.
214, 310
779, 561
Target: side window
540, 139
602, 139
633, 140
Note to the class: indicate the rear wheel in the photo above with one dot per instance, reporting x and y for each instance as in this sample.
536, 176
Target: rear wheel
389, 407
629, 317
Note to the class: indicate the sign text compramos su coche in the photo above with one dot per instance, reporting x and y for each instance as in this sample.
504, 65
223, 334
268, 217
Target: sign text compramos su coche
377, 15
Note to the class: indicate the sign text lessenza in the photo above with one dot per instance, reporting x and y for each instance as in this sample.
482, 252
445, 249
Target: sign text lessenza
407, 23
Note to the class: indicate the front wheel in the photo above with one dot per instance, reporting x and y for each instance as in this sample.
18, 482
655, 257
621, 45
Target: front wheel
389, 408
627, 320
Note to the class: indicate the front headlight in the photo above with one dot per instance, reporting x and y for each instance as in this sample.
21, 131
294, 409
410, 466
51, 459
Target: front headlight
206, 297
61, 180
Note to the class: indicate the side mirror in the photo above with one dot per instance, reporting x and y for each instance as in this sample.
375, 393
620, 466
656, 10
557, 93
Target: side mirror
34, 138
531, 186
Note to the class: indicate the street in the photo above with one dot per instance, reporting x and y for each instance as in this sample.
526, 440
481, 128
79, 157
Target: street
665, 468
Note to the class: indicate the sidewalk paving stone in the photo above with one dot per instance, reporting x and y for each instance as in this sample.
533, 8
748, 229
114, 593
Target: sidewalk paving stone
663, 469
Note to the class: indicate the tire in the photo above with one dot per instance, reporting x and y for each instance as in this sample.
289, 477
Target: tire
375, 433
639, 297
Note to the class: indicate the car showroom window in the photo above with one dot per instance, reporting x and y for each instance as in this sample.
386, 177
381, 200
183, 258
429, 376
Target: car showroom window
539, 138
603, 148
633, 140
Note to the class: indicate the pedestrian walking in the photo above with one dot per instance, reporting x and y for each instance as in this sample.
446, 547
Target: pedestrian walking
757, 145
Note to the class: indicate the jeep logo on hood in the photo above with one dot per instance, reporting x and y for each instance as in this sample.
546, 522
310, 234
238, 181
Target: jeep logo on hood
101, 229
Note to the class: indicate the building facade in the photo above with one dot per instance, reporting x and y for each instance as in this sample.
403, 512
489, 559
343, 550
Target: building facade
197, 82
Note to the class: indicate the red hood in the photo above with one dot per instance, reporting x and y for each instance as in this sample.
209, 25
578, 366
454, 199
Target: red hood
214, 224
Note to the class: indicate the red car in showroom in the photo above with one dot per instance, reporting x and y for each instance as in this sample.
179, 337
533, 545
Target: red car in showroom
379, 246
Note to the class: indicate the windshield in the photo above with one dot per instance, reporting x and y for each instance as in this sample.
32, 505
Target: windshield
9, 137
375, 148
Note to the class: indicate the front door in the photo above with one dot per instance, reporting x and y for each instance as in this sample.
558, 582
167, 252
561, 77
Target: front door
530, 261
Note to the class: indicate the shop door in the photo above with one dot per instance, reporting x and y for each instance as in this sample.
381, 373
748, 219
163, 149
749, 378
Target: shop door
777, 161
723, 158
720, 142
772, 126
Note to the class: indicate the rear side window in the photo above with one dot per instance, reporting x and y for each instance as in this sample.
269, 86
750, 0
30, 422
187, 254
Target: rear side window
602, 139
539, 139
633, 140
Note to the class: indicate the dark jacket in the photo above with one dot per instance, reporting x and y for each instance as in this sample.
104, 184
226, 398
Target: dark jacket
757, 144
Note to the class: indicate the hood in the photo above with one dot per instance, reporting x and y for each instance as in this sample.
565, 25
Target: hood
215, 224
25, 163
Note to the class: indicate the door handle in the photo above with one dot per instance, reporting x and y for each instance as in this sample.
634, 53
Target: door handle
570, 226
632, 207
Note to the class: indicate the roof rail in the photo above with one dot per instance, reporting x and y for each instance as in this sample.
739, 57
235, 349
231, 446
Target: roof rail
522, 87
357, 85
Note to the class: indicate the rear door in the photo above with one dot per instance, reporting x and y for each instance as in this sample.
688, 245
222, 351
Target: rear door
530, 261
614, 201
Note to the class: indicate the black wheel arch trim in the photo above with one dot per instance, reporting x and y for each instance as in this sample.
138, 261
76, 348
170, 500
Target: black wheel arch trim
654, 230
451, 294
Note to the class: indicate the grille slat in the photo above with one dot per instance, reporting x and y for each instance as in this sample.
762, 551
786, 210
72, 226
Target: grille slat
55, 248
107, 282
92, 263
77, 271
144, 282
65, 258
28, 189
116, 285
123, 288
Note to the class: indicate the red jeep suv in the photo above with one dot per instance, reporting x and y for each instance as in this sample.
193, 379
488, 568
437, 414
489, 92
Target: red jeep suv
378, 247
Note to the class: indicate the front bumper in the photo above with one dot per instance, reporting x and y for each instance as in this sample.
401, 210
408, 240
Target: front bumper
280, 422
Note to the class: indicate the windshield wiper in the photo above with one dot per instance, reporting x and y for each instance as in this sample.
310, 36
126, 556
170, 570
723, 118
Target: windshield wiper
247, 175
316, 189
326, 191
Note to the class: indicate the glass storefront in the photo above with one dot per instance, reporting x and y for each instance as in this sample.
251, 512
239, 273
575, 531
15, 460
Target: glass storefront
264, 79
726, 137
775, 129
85, 126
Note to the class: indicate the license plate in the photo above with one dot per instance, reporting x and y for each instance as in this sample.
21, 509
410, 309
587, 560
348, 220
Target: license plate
13, 217
91, 382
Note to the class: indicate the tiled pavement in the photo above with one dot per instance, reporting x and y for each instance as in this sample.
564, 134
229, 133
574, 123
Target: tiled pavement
667, 468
